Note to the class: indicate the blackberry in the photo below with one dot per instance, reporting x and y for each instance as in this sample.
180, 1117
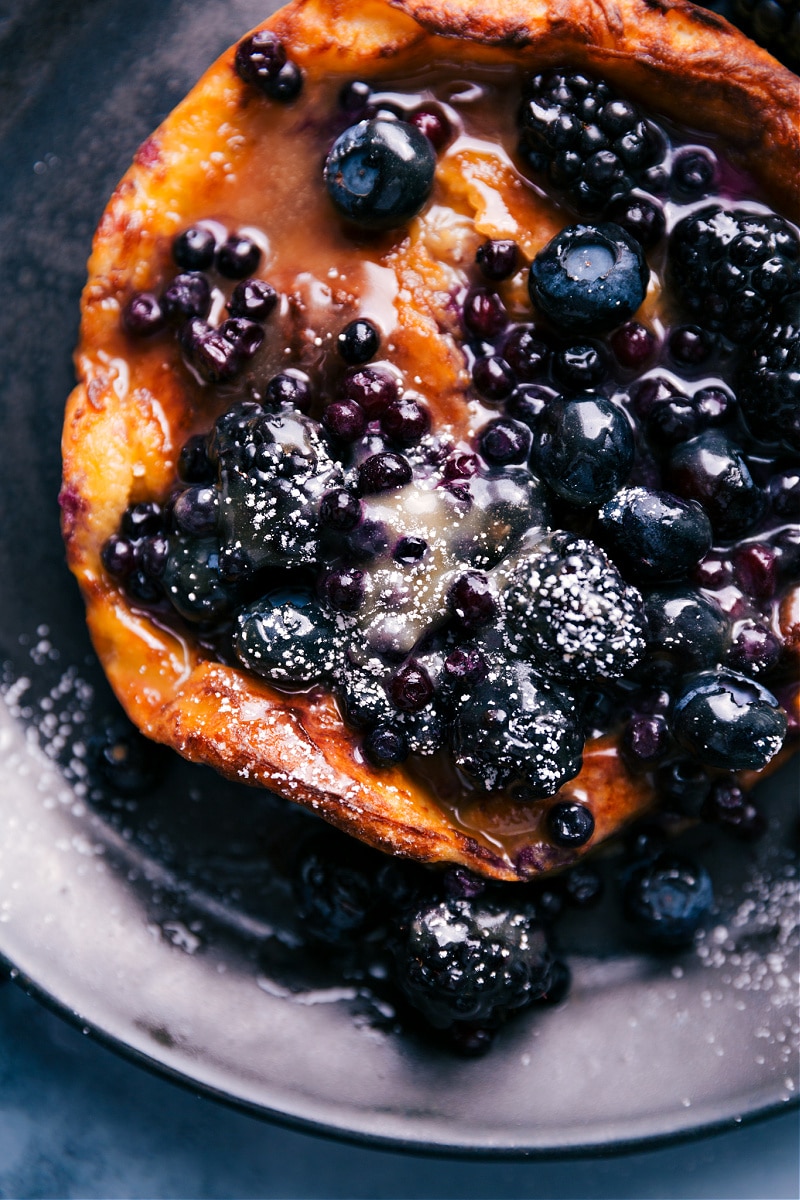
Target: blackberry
513, 730
591, 144
274, 470
769, 378
292, 643
571, 611
471, 961
729, 267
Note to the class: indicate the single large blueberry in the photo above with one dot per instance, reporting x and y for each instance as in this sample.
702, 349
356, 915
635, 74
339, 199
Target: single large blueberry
290, 641
379, 173
668, 899
712, 470
583, 448
654, 535
589, 278
687, 625
729, 721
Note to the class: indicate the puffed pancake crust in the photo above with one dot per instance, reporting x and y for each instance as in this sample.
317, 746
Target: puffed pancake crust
131, 412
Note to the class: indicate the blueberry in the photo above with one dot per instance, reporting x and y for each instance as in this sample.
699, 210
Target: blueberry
687, 625
683, 786
472, 600
410, 688
117, 556
292, 643
385, 746
344, 589
484, 313
410, 550
639, 216
731, 807
569, 823
583, 448
667, 900
286, 85
755, 567
213, 356
729, 721
512, 729
405, 420
379, 173
143, 315
244, 335
581, 366
193, 250
712, 470
693, 173
645, 739
589, 278
784, 492
691, 345
345, 420
434, 124
291, 389
493, 377
468, 961
238, 257
383, 473
633, 345
504, 441
654, 535
358, 342
372, 389
340, 510
259, 58
497, 259
583, 885
193, 583
188, 295
526, 352
196, 510
254, 299
755, 650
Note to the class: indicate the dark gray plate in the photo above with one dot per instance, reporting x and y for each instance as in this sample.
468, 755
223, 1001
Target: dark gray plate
162, 924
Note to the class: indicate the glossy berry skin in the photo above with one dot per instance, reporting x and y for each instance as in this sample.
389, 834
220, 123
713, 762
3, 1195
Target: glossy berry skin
654, 535
729, 267
711, 470
639, 216
497, 259
358, 342
254, 299
513, 729
526, 353
754, 651
143, 315
259, 58
472, 600
215, 358
504, 441
287, 85
592, 145
193, 250
570, 824
151, 555
581, 366
343, 589
583, 448
729, 721
768, 381
238, 257
289, 390
484, 313
410, 688
292, 643
385, 746
633, 345
192, 580
379, 173
589, 278
687, 625
471, 961
667, 900
693, 173
187, 295
340, 510
434, 124
196, 510
345, 420
568, 609
493, 378
405, 421
372, 389
383, 473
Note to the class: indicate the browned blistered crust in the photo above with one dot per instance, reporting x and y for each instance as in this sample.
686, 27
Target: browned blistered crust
121, 436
